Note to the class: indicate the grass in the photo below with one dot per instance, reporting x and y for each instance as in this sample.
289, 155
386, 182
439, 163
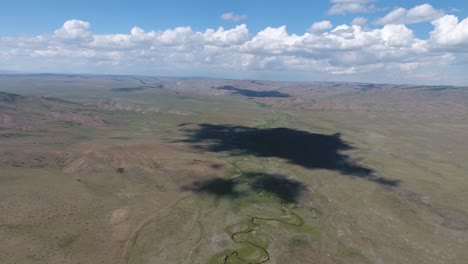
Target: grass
428, 156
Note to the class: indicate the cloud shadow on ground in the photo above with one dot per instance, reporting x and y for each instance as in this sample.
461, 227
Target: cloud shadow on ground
251, 93
286, 189
309, 150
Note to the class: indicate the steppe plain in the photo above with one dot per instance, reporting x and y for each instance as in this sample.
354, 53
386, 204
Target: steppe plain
136, 169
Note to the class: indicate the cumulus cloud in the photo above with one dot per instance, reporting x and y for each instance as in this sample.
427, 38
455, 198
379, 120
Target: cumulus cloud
233, 17
320, 26
417, 14
222, 37
351, 6
449, 32
324, 49
74, 30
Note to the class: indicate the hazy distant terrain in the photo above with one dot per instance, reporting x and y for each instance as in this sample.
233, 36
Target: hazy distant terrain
135, 169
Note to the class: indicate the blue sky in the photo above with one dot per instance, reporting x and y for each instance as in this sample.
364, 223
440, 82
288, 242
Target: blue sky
36, 17
34, 33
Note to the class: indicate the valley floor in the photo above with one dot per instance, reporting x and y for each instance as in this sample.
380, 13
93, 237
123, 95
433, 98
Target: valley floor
169, 176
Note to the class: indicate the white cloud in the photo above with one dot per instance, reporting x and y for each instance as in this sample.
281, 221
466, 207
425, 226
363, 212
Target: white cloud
320, 26
222, 37
74, 30
449, 32
359, 21
233, 17
350, 50
351, 6
417, 14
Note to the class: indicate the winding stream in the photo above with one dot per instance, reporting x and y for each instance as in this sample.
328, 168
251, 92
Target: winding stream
242, 237
245, 236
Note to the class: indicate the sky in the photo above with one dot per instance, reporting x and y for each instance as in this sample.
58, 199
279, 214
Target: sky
418, 42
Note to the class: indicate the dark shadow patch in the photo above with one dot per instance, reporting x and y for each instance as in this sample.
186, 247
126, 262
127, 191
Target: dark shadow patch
10, 98
140, 88
309, 150
217, 166
159, 86
250, 93
367, 86
441, 88
127, 90
287, 190
218, 187
257, 82
184, 124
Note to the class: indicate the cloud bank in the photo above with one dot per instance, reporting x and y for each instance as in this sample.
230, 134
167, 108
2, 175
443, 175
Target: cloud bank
350, 52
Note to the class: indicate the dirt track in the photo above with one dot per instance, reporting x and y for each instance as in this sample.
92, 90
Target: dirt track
131, 240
